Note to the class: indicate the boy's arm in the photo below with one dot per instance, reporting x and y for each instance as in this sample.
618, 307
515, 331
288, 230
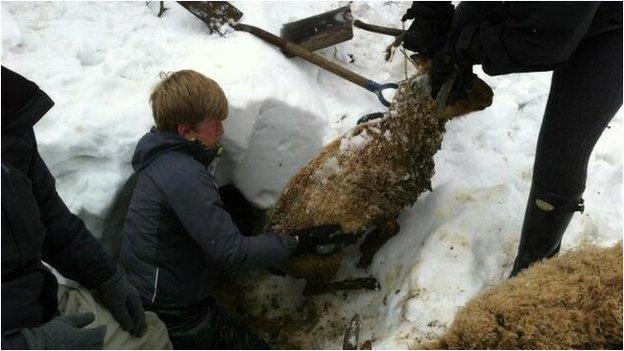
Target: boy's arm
195, 200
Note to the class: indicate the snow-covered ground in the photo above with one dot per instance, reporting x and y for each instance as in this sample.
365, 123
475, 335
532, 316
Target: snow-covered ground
99, 61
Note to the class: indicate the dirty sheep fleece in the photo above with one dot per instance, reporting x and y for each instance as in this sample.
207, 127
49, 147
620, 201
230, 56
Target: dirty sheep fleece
364, 179
573, 301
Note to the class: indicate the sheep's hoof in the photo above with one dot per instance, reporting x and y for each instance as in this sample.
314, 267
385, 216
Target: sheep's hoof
375, 240
364, 262
317, 288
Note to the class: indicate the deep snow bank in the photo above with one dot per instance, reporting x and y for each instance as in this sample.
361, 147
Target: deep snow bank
99, 60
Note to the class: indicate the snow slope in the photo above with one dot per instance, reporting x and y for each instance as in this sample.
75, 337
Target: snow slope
99, 60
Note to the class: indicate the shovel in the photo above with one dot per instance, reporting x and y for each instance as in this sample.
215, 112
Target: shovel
320, 31
218, 13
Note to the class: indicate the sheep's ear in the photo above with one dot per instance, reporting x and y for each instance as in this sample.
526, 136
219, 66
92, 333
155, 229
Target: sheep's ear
421, 63
478, 97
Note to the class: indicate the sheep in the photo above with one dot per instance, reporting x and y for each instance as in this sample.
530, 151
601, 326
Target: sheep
573, 301
362, 180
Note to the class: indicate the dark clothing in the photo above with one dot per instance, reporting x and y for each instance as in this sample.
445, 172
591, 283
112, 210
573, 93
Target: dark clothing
36, 224
115, 217
178, 239
585, 94
428, 32
512, 37
206, 326
546, 218
581, 42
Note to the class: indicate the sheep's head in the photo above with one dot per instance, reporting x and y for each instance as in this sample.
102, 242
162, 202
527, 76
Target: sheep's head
459, 96
476, 97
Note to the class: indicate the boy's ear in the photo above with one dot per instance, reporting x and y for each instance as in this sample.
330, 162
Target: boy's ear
184, 129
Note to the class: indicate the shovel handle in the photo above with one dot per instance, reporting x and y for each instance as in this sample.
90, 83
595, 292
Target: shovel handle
378, 29
379, 88
305, 54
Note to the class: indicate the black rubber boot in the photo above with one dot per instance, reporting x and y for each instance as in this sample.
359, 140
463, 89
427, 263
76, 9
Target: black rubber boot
546, 218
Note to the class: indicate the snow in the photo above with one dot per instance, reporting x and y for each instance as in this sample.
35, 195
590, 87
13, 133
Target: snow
11, 35
99, 61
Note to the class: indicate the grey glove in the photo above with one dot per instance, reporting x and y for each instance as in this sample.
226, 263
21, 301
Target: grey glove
123, 302
66, 332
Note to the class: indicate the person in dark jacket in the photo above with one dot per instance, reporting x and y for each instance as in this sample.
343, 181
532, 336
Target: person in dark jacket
178, 240
37, 227
581, 42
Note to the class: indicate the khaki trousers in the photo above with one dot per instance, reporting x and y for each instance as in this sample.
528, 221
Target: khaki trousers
72, 300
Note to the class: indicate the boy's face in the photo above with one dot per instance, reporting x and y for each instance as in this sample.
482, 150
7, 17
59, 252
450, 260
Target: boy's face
209, 132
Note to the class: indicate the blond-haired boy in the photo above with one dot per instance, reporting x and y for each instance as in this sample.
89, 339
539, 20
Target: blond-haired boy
178, 239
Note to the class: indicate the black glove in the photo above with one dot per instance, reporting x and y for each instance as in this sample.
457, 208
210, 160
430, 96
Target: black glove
429, 30
323, 239
66, 332
123, 302
464, 79
443, 68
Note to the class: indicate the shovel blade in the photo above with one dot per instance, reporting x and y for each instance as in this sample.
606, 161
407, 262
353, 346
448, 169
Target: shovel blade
320, 31
214, 13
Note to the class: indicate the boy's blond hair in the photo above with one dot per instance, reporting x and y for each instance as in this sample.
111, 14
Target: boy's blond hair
186, 96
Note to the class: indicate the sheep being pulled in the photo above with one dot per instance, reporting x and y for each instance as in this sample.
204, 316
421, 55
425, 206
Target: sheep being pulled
362, 180
573, 301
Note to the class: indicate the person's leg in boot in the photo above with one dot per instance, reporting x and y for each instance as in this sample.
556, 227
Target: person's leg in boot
545, 220
585, 94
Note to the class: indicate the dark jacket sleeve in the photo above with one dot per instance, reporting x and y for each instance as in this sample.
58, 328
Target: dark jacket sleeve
195, 200
68, 246
533, 37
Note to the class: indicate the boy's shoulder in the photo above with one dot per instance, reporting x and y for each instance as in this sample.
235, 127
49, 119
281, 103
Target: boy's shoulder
177, 162
175, 166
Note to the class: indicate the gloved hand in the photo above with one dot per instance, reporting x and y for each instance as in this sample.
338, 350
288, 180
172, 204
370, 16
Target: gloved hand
462, 83
429, 30
66, 332
124, 303
443, 68
318, 240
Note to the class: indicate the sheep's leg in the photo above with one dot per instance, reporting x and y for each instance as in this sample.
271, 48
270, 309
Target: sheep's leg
317, 287
376, 239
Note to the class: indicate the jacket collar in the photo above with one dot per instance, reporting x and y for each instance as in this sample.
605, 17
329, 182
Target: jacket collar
156, 143
23, 103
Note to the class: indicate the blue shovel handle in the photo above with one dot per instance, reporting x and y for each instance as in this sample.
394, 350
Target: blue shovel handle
378, 88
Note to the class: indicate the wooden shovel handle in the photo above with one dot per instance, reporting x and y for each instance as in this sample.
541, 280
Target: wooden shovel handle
378, 29
305, 54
